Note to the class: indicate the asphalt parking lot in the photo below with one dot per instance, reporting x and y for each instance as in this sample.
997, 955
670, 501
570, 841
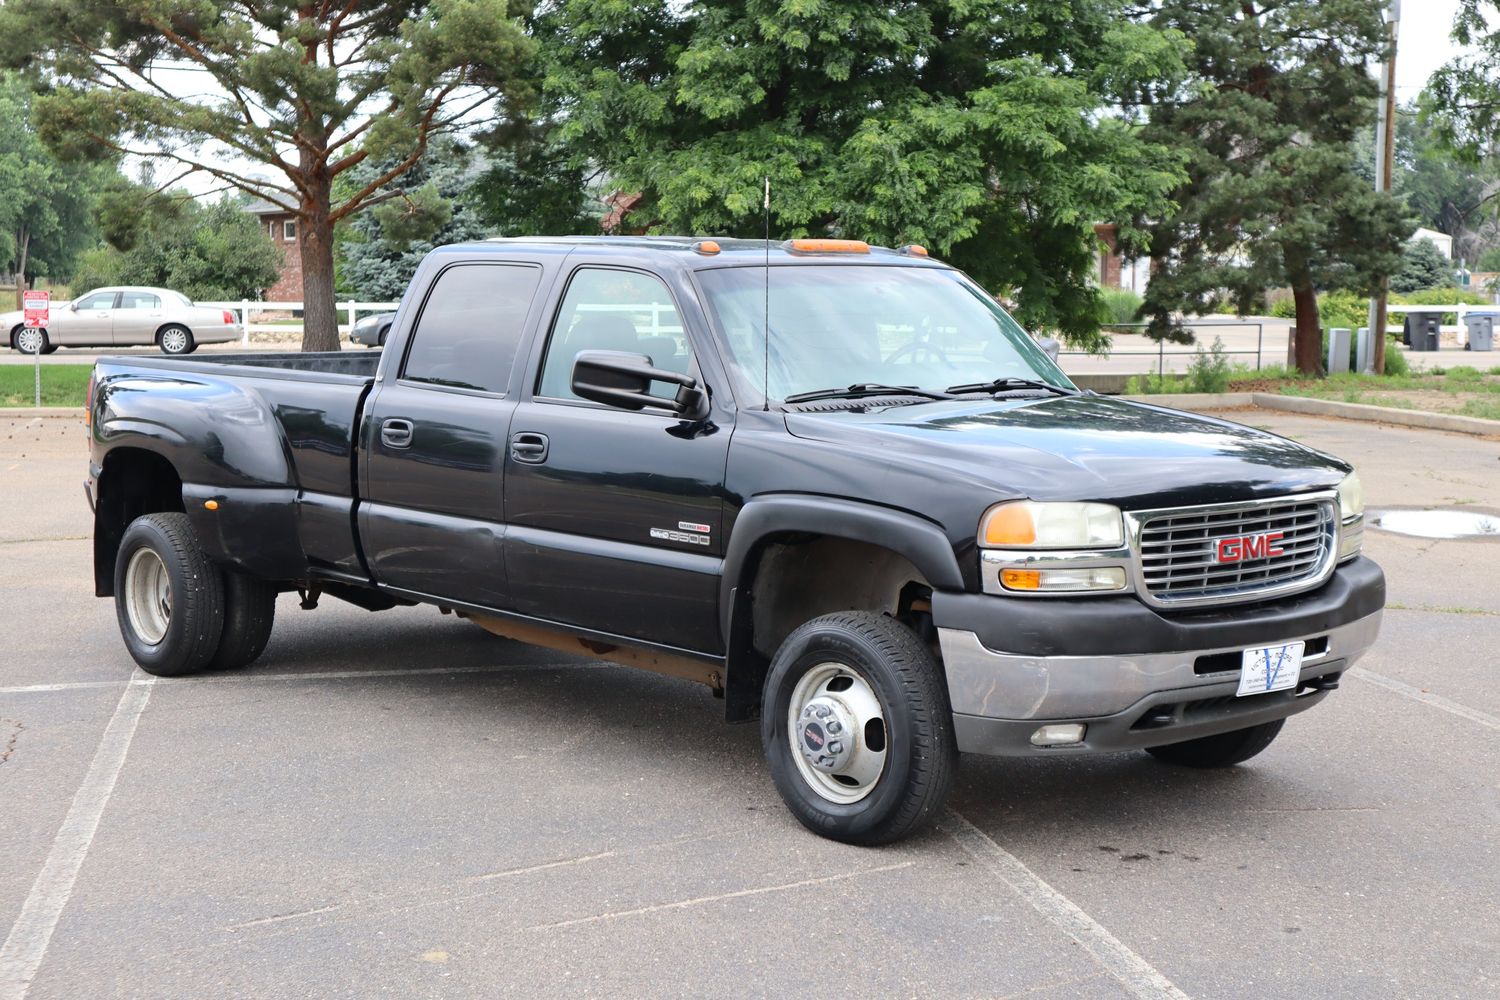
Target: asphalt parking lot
401, 805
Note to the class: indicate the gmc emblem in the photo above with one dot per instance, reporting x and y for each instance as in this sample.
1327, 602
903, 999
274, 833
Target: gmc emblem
1242, 547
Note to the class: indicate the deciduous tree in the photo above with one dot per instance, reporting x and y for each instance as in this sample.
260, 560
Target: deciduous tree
274, 98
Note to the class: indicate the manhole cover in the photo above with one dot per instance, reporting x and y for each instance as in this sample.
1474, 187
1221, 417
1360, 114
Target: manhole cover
1438, 523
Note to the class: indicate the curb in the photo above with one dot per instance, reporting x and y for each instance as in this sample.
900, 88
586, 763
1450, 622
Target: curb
1379, 414
1207, 402
32, 412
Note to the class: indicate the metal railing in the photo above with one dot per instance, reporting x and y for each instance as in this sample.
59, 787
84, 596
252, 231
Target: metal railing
246, 308
1161, 352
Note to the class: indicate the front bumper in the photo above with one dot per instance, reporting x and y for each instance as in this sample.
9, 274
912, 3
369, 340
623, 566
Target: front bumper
1168, 693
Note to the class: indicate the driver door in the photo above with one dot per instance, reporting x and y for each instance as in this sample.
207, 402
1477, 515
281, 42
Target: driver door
88, 321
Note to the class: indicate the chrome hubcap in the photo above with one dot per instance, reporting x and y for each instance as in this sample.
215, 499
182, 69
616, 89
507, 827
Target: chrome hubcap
148, 596
29, 341
174, 341
837, 730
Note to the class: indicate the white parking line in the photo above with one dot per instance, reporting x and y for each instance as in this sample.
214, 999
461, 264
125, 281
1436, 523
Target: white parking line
1425, 697
1131, 970
312, 675
26, 945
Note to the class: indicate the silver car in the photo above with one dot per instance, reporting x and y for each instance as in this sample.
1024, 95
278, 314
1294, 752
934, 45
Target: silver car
124, 316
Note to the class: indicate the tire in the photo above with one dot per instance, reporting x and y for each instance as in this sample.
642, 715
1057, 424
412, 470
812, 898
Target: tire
384, 332
249, 612
31, 341
842, 668
171, 613
51, 348
175, 339
1223, 750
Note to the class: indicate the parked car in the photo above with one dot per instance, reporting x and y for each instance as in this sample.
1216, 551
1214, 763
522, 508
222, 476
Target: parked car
846, 491
372, 330
125, 316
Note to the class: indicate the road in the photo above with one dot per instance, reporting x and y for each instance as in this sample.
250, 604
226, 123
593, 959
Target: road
400, 805
1253, 342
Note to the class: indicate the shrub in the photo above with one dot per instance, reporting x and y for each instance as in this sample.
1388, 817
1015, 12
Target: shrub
1119, 305
1209, 371
1395, 359
1152, 384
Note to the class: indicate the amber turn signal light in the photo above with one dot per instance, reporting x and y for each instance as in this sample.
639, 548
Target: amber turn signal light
708, 247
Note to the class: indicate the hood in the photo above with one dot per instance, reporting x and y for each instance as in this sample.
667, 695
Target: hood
1079, 448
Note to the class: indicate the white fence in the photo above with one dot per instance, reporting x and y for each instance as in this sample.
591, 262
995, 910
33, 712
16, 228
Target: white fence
350, 311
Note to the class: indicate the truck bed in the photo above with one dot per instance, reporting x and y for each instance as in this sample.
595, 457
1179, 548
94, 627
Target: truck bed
360, 365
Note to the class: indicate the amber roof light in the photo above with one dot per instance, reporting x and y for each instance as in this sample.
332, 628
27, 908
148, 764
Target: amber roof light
827, 246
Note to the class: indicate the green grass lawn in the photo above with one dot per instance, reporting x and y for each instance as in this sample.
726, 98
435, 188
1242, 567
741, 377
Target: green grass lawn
62, 385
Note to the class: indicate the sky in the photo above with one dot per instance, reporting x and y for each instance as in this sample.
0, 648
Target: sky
1423, 44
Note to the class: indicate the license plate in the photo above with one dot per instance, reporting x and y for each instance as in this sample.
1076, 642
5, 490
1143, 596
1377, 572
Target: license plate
1270, 668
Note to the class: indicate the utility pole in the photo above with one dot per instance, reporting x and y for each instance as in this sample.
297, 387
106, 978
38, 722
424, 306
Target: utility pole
1385, 157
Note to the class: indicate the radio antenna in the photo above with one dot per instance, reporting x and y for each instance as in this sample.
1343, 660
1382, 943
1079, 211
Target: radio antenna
765, 375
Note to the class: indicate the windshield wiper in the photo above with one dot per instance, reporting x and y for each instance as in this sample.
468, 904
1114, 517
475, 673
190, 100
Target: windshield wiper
1010, 382
865, 389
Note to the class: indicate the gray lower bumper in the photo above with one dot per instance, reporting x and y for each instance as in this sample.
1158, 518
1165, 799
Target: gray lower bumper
1127, 701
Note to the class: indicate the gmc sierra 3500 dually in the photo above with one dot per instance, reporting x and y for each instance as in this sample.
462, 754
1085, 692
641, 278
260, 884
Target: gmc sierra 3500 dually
837, 483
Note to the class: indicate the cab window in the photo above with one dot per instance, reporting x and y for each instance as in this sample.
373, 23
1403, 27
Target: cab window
611, 310
470, 326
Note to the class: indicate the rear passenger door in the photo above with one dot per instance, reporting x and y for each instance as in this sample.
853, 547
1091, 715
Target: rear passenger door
137, 318
614, 516
434, 436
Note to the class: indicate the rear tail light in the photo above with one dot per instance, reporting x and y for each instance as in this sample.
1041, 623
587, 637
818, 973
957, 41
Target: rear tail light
228, 316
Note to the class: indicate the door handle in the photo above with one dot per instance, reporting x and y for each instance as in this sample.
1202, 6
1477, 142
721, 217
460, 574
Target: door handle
529, 448
396, 433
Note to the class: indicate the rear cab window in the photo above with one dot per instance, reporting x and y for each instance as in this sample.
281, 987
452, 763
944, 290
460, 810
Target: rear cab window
470, 327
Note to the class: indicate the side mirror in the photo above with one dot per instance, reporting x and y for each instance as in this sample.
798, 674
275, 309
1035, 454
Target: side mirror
1052, 346
73, 306
619, 378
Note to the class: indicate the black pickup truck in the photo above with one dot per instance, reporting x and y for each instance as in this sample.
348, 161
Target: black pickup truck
836, 483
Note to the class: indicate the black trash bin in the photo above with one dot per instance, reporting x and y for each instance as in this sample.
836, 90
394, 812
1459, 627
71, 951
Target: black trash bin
1420, 330
1481, 326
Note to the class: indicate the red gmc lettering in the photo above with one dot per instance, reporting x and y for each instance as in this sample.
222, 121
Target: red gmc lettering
1244, 547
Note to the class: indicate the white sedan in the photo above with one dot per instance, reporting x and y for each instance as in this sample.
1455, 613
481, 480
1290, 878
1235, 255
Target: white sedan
122, 317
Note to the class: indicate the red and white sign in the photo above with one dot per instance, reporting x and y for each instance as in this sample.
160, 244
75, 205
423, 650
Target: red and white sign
35, 305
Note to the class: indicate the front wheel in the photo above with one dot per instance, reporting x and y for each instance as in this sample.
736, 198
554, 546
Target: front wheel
1223, 750
31, 340
857, 729
169, 598
176, 340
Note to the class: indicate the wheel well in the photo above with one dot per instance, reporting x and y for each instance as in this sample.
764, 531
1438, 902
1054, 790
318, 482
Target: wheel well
134, 482
792, 578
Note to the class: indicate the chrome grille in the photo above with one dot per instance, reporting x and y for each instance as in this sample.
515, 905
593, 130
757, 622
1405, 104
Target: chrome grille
1179, 551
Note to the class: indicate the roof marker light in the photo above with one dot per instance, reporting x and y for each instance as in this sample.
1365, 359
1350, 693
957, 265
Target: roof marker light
706, 247
914, 250
827, 246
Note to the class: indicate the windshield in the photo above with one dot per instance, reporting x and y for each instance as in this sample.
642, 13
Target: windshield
839, 325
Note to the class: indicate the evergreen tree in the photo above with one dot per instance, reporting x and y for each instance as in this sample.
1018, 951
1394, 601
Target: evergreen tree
308, 90
994, 133
1423, 266
384, 247
1272, 199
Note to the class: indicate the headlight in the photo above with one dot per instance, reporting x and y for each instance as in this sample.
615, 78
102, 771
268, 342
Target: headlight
1351, 516
1351, 497
1026, 524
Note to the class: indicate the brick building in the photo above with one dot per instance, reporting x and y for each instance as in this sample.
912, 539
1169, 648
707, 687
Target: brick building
281, 226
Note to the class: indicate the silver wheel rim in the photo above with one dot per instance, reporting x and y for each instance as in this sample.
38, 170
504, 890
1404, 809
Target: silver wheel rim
29, 341
174, 341
148, 596
835, 705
